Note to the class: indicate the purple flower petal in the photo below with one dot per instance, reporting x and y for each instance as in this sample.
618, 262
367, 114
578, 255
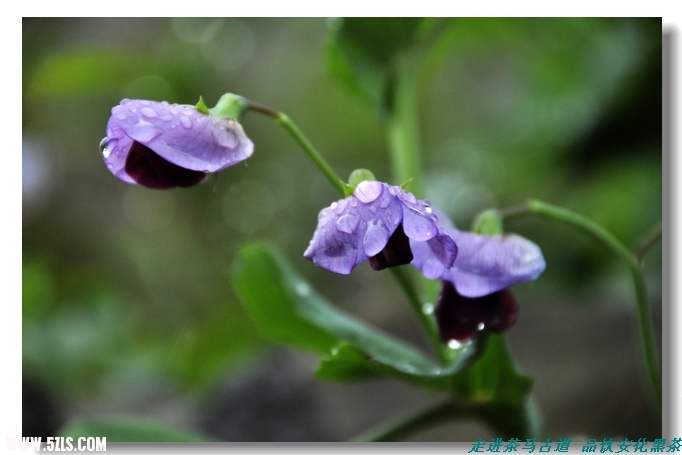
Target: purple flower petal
461, 318
180, 135
379, 222
484, 264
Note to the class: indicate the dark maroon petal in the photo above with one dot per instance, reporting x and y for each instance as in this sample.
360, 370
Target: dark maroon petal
461, 318
396, 252
150, 170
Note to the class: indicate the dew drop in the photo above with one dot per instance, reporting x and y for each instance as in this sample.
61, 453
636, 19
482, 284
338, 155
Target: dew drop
427, 308
409, 197
481, 326
368, 191
385, 202
323, 213
103, 148
454, 344
347, 223
375, 238
186, 122
145, 103
121, 116
353, 202
148, 112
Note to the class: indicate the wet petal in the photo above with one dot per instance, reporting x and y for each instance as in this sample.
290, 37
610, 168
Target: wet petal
178, 134
486, 264
332, 247
461, 318
418, 225
115, 151
396, 252
149, 169
379, 222
368, 191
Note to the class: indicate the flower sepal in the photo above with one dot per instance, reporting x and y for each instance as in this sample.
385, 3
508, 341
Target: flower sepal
229, 106
488, 222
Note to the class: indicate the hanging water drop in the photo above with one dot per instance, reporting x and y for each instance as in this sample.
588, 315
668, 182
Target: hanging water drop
454, 344
103, 148
427, 308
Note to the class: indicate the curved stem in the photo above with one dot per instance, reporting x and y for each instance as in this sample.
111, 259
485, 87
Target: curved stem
401, 428
644, 322
410, 289
308, 148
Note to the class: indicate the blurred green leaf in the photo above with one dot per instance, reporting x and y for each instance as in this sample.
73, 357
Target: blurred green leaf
37, 290
494, 377
286, 309
129, 430
361, 52
84, 72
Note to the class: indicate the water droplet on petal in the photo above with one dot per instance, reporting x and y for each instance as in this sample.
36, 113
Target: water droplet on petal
323, 213
375, 238
347, 223
353, 201
186, 122
409, 197
148, 112
121, 116
385, 202
368, 191
103, 148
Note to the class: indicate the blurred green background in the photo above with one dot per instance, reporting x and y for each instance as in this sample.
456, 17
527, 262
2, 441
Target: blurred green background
128, 308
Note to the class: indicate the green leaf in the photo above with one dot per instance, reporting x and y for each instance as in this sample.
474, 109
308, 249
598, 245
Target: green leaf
494, 377
84, 72
265, 287
286, 309
129, 430
362, 52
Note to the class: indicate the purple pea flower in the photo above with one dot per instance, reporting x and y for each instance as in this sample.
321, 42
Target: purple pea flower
379, 222
460, 318
474, 296
484, 263
161, 145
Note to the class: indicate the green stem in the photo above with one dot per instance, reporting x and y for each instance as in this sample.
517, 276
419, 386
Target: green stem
308, 148
403, 132
649, 239
644, 322
524, 424
409, 287
397, 430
